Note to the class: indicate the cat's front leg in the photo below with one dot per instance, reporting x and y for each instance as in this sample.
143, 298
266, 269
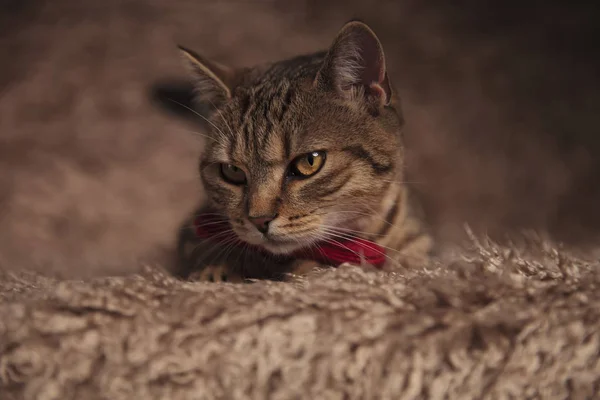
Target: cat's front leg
305, 267
216, 273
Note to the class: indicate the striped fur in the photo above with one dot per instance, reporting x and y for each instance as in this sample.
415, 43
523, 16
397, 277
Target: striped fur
339, 102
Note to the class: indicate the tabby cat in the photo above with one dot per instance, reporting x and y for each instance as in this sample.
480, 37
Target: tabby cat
301, 153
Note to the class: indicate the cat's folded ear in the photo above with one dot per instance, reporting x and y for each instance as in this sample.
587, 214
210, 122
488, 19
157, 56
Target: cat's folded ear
212, 81
355, 66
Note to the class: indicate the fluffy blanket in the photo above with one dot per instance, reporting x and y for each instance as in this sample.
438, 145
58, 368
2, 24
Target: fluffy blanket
495, 323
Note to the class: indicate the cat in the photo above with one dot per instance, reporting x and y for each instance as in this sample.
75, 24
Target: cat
301, 153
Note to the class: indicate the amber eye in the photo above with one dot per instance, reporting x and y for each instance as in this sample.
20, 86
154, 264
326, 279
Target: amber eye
307, 164
233, 174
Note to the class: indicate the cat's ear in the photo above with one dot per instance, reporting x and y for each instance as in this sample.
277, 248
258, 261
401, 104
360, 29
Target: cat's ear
355, 65
212, 81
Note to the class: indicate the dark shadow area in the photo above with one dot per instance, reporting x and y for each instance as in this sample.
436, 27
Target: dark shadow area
174, 97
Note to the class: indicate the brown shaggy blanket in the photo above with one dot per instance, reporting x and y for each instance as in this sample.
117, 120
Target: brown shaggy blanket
495, 324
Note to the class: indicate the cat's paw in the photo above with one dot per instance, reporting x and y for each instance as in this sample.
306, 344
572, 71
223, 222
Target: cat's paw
306, 267
216, 273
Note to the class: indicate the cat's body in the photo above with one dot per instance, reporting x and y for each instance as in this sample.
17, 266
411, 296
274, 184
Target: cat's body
302, 151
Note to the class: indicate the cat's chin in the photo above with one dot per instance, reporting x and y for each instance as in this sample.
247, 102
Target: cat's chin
282, 247
276, 245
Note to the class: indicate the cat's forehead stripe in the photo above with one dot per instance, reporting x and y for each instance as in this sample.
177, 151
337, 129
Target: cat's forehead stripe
261, 133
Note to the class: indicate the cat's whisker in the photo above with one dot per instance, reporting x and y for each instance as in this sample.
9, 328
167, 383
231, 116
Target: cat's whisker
199, 213
369, 247
315, 242
201, 242
212, 223
350, 237
362, 214
360, 256
183, 228
224, 247
222, 117
372, 214
320, 249
218, 235
230, 249
329, 239
356, 203
203, 135
202, 225
214, 258
349, 212
203, 117
352, 230
242, 251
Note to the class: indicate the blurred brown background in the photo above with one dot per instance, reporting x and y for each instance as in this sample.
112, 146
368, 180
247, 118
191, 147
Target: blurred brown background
96, 174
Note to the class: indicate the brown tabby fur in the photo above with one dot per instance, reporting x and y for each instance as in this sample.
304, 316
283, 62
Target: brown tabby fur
340, 102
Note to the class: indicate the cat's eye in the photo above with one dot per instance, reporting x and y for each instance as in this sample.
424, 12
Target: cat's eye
233, 174
307, 164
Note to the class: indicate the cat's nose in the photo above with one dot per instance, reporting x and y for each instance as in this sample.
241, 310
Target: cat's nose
262, 222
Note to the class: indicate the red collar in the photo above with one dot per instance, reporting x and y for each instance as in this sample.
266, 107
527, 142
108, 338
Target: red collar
352, 250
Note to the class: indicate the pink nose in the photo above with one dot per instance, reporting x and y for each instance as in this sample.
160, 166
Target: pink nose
262, 222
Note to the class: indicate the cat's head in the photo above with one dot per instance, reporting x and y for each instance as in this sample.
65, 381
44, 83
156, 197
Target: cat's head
303, 149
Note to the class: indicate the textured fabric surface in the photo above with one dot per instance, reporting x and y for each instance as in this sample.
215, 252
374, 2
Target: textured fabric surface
496, 323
